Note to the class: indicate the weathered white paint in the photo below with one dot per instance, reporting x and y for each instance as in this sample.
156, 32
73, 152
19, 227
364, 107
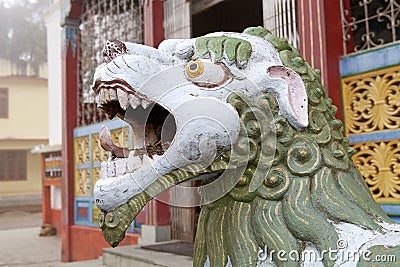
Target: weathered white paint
356, 241
204, 121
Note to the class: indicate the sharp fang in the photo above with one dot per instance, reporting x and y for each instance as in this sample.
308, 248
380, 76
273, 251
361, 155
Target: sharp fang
145, 103
102, 96
134, 101
123, 99
112, 94
106, 95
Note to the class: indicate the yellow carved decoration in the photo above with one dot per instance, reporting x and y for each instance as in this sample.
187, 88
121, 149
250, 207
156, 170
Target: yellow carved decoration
82, 182
372, 101
95, 213
98, 153
96, 172
83, 153
81, 150
120, 136
379, 164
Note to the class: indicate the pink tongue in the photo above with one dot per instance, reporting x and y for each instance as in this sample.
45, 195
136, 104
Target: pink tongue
108, 145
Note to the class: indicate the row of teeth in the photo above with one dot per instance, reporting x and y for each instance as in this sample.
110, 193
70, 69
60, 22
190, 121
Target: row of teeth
109, 95
119, 167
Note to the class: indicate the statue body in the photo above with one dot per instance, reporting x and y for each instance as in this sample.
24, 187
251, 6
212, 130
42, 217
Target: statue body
247, 116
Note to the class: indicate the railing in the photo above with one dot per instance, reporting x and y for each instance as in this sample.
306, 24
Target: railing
369, 23
280, 18
100, 21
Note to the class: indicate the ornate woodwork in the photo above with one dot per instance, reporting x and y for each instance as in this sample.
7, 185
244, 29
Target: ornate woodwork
100, 21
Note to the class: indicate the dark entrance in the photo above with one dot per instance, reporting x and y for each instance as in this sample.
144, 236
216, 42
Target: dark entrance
230, 15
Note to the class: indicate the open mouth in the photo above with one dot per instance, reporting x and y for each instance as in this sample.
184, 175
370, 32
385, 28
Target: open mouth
153, 126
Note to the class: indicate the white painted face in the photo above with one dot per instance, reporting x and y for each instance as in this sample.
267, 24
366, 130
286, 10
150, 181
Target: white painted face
178, 110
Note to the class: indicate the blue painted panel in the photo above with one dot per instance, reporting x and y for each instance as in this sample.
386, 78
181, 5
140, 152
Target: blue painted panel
85, 205
395, 218
392, 210
84, 166
96, 165
95, 128
371, 137
371, 60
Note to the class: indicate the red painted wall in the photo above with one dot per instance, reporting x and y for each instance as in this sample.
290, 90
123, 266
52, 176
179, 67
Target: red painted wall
321, 42
56, 220
87, 243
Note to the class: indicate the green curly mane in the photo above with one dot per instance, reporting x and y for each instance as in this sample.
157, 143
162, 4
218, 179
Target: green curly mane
312, 179
311, 182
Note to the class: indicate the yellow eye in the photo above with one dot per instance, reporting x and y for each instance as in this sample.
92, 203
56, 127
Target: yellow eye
194, 68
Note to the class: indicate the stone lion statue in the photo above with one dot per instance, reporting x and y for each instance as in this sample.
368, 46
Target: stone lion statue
246, 116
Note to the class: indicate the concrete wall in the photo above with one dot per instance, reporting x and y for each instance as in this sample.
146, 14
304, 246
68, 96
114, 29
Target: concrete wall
32, 185
28, 112
25, 127
52, 19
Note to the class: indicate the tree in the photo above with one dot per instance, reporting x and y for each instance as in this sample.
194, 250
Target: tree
23, 34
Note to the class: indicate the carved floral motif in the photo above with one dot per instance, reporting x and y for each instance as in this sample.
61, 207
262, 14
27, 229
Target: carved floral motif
379, 164
372, 105
120, 136
82, 182
81, 148
372, 101
98, 154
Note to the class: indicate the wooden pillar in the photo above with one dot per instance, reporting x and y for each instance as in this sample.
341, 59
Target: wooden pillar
46, 199
153, 22
321, 42
69, 122
156, 212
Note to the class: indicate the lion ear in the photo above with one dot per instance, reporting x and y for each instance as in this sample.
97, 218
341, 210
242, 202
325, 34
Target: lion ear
292, 100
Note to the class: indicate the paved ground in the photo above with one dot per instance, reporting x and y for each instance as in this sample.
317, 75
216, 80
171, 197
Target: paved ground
21, 245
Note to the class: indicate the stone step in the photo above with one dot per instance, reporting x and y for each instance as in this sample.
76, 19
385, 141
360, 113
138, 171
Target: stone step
136, 256
89, 263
